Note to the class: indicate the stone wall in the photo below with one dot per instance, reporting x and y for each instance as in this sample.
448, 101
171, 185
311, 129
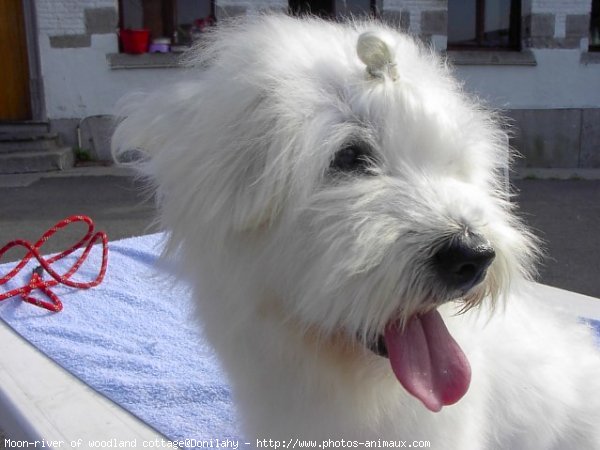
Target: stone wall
424, 18
70, 23
552, 90
545, 23
557, 138
232, 8
557, 24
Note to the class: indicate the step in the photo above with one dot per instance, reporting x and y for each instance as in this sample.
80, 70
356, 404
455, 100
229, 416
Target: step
29, 126
26, 141
36, 161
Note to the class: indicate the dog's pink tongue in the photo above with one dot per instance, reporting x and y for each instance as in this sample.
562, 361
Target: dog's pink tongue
428, 361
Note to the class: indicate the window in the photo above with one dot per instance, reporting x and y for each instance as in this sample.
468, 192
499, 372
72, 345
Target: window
323, 8
484, 24
595, 26
178, 20
327, 8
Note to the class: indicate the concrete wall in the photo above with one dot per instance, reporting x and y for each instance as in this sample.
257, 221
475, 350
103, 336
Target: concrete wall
565, 17
554, 102
74, 38
564, 138
558, 80
555, 106
425, 18
232, 8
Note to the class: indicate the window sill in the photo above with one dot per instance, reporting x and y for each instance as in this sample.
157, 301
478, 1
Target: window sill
491, 58
592, 57
117, 61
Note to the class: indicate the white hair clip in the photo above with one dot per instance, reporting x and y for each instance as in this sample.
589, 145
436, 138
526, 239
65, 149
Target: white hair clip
377, 55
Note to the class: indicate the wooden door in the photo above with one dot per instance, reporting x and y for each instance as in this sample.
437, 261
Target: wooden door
159, 17
15, 102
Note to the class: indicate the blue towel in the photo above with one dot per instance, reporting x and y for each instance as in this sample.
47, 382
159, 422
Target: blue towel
132, 338
595, 325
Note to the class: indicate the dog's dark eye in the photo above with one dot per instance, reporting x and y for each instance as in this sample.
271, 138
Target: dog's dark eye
352, 158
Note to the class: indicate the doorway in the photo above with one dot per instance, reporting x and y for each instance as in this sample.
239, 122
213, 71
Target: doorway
15, 95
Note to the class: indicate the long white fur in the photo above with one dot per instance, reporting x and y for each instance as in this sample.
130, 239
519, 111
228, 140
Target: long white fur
295, 269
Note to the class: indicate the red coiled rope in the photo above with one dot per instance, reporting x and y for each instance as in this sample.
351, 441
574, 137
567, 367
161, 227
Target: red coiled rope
37, 281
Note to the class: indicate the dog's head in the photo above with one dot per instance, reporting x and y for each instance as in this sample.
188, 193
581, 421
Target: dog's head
346, 164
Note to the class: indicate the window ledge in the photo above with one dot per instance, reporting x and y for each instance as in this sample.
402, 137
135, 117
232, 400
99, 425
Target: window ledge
590, 57
491, 58
144, 61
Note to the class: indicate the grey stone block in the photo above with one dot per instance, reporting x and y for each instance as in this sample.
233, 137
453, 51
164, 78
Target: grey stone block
526, 26
101, 20
590, 58
30, 126
396, 19
434, 22
70, 41
578, 25
491, 58
118, 61
590, 139
547, 138
541, 30
66, 130
577, 28
273, 9
405, 20
567, 42
96, 133
555, 43
11, 143
542, 25
36, 161
223, 12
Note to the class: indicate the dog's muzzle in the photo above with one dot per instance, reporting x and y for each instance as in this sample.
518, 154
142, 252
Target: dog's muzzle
462, 262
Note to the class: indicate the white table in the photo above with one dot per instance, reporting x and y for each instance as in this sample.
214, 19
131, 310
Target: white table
40, 400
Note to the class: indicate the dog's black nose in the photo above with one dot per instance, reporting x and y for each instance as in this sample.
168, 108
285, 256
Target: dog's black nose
463, 261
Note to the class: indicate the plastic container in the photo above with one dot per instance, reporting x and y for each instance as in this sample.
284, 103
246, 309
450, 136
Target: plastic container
135, 41
160, 45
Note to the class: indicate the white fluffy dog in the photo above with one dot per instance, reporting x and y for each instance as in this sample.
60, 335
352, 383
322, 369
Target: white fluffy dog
338, 203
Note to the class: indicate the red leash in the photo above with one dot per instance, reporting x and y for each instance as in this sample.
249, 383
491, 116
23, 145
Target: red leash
37, 281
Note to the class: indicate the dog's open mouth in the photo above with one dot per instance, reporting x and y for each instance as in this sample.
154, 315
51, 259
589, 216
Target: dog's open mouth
426, 360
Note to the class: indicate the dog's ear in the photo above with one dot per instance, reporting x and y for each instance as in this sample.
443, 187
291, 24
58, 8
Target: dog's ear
245, 169
209, 164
